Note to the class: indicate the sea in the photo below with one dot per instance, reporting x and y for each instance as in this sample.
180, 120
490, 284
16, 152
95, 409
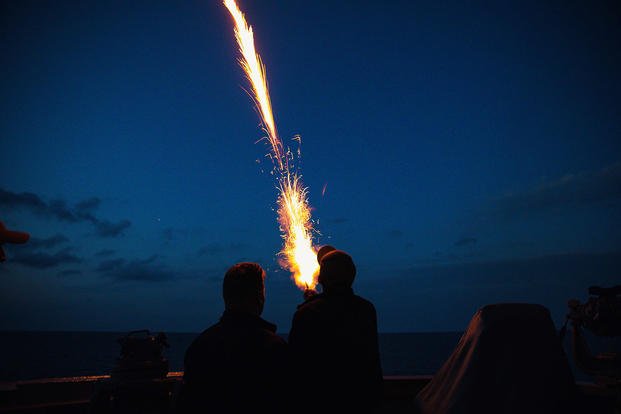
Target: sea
32, 355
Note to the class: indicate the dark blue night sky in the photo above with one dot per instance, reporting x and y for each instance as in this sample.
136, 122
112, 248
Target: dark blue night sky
471, 154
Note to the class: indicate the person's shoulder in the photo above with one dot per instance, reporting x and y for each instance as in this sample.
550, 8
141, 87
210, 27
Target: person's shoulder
269, 336
275, 340
311, 304
204, 338
364, 303
214, 329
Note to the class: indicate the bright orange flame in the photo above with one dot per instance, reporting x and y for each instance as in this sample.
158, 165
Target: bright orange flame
294, 215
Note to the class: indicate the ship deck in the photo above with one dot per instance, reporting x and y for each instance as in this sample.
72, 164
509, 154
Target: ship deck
73, 394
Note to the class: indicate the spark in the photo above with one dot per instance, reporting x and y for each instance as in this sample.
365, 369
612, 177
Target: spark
294, 213
254, 69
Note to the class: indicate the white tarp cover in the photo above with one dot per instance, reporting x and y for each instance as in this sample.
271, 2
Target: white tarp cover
509, 360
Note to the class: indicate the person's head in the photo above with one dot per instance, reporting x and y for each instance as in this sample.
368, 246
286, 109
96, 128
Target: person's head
336, 270
243, 288
323, 251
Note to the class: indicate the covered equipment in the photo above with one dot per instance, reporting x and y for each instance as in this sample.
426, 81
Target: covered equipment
509, 360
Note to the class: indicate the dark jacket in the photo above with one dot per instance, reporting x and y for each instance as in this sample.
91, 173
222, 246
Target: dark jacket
334, 345
237, 365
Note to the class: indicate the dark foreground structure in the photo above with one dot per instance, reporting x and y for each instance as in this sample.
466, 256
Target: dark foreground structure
509, 360
73, 395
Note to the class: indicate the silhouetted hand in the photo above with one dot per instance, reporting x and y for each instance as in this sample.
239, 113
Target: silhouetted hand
7, 236
309, 293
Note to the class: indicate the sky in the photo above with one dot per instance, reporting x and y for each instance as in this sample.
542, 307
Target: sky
470, 154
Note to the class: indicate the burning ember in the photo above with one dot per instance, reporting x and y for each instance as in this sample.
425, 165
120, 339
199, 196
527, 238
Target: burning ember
298, 254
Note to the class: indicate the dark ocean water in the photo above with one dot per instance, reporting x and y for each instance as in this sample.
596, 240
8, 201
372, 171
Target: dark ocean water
30, 355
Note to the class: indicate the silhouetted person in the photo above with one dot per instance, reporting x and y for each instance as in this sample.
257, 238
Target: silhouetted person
237, 365
334, 342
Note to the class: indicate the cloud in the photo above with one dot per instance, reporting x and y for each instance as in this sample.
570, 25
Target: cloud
107, 229
448, 295
571, 190
30, 201
47, 243
214, 249
560, 267
41, 260
33, 254
145, 270
105, 253
83, 211
88, 205
110, 265
465, 241
69, 272
60, 210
